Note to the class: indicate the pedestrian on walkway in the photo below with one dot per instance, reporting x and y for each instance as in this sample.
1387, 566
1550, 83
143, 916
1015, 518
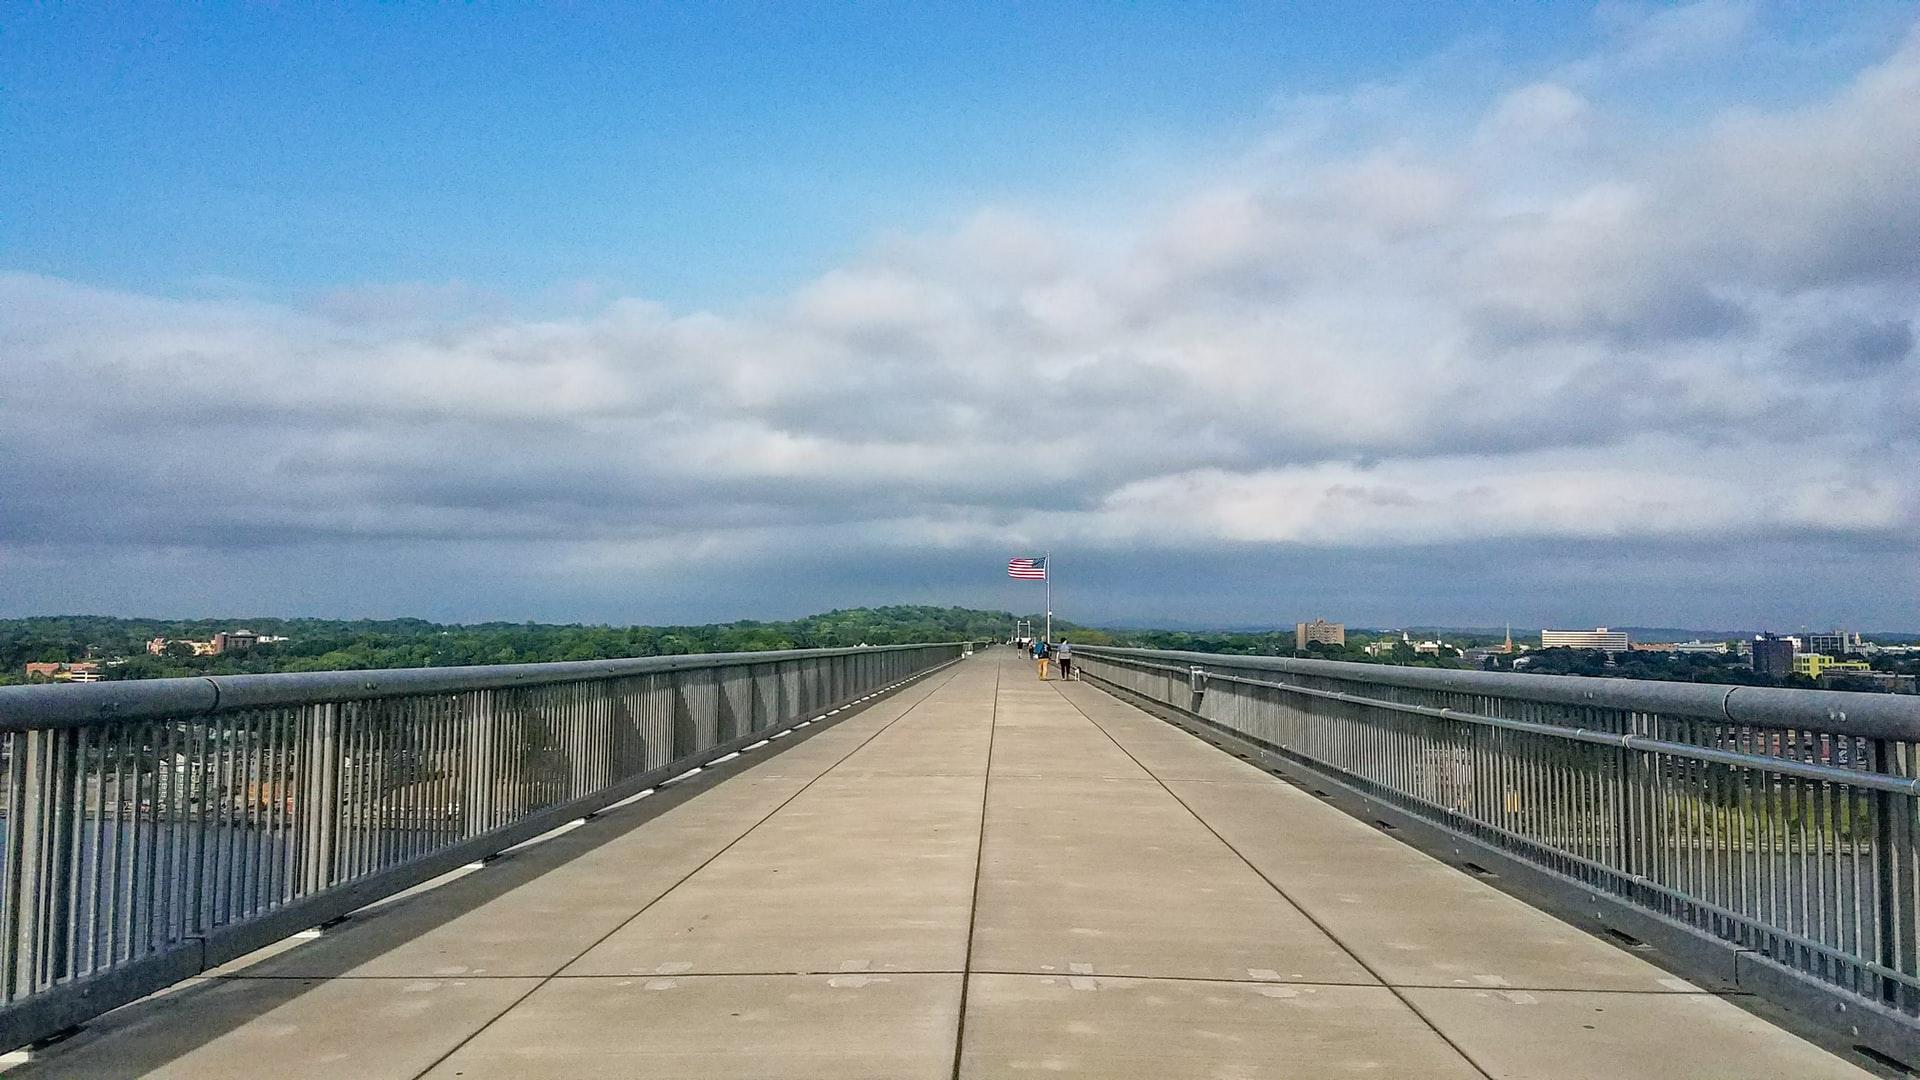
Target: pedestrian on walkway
1064, 654
1040, 656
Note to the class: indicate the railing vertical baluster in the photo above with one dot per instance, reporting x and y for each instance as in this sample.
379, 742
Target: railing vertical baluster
1785, 833
63, 769
205, 747
157, 831
167, 833
96, 868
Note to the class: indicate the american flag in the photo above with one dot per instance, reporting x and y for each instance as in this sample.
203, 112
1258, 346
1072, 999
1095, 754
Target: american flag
1028, 569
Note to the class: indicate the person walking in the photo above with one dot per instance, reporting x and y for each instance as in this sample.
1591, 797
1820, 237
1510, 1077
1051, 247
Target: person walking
1040, 655
1064, 653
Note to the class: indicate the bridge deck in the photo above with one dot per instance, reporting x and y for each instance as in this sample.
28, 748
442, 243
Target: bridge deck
1031, 876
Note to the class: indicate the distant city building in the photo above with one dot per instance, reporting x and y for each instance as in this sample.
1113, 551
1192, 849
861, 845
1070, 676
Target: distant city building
1813, 665
79, 671
229, 640
1672, 647
1700, 647
1598, 638
1834, 643
1320, 630
158, 646
1480, 654
1773, 655
1386, 646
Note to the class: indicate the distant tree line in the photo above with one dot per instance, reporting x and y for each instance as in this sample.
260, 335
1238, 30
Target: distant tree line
120, 645
360, 644
1723, 667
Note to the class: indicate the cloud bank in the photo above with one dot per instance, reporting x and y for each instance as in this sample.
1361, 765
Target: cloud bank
1548, 327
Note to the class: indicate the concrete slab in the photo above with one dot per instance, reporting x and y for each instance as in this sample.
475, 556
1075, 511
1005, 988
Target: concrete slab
1114, 877
1164, 750
1556, 1035
243, 1029
1412, 918
1039, 733
1062, 753
534, 913
825, 744
884, 1027
867, 873
1152, 1029
946, 736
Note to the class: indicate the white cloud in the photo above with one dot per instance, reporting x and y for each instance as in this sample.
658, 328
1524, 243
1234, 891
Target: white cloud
1651, 34
1646, 488
1541, 112
1643, 39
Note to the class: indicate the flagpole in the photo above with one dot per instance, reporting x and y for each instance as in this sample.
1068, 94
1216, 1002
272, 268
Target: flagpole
1049, 638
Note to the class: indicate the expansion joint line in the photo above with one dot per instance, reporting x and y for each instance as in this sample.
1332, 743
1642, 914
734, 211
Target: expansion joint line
979, 860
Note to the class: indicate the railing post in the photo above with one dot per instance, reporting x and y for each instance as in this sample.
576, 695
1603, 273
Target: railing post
40, 857
477, 765
319, 806
686, 730
14, 870
1893, 845
1631, 768
25, 824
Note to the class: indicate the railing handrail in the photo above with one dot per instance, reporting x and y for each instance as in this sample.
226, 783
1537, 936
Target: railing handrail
47, 706
1669, 812
1837, 712
157, 829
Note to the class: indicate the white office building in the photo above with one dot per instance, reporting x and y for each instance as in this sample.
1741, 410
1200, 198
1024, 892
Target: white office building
1598, 638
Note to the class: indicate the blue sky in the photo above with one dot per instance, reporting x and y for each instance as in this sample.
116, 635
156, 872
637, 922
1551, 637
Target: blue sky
1403, 313
691, 156
683, 155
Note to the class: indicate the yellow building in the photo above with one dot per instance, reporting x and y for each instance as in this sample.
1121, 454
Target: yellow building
1814, 665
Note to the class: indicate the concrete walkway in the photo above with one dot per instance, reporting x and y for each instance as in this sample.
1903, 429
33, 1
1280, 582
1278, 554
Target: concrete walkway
982, 875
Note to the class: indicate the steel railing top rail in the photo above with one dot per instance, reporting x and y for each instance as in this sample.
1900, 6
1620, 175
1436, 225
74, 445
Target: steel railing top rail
1874, 716
42, 707
1898, 785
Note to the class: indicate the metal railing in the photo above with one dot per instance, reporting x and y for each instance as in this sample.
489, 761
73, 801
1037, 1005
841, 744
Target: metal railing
156, 829
1785, 823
